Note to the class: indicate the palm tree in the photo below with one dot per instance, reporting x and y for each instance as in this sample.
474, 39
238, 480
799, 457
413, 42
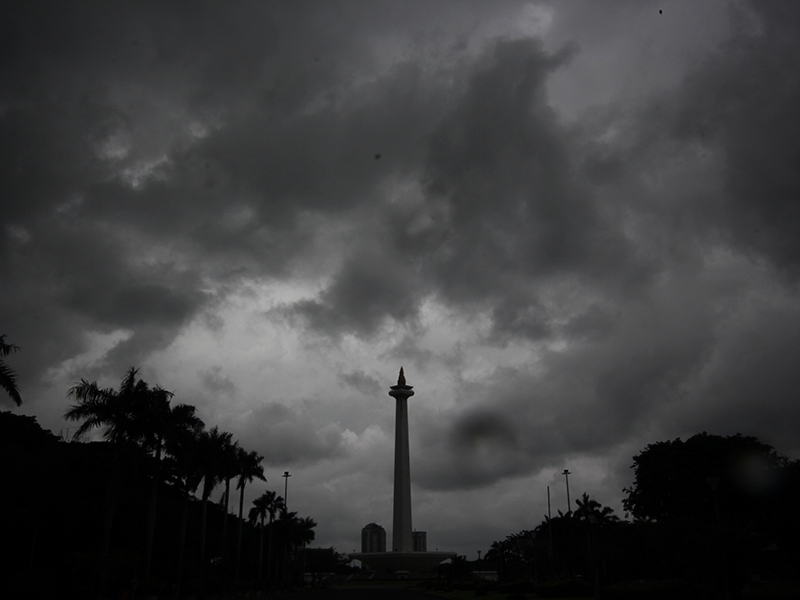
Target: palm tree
285, 529
597, 517
136, 413
272, 504
8, 377
107, 408
229, 468
110, 410
184, 450
594, 512
210, 448
304, 532
249, 468
294, 532
267, 503
160, 424
497, 552
301, 532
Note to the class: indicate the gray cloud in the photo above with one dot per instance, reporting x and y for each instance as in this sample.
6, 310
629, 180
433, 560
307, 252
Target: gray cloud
602, 223
216, 382
363, 383
288, 437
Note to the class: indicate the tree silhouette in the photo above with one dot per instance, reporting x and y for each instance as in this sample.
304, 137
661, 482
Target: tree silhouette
228, 469
249, 469
272, 504
8, 377
497, 555
106, 408
140, 414
707, 477
293, 532
732, 496
210, 448
303, 533
592, 510
158, 424
112, 410
185, 452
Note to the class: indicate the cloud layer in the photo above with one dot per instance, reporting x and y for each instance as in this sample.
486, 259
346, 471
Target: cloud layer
576, 242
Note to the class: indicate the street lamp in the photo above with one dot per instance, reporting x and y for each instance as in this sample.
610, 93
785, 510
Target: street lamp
479, 555
566, 476
285, 489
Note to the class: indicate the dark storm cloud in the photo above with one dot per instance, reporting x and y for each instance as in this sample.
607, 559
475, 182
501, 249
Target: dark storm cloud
745, 100
116, 214
500, 207
367, 290
502, 162
486, 445
362, 382
287, 436
733, 113
688, 337
153, 157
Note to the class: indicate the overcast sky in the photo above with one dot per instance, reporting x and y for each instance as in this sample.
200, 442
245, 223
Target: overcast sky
575, 224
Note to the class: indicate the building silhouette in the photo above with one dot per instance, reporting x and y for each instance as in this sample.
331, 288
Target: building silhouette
373, 538
420, 541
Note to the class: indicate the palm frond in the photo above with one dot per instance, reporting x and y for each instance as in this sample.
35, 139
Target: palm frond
5, 348
8, 377
8, 382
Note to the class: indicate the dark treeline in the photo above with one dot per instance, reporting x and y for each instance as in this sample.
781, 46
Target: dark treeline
134, 514
710, 516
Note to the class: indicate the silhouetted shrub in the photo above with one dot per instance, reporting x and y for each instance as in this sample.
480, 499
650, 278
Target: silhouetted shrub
564, 589
466, 586
518, 587
775, 590
656, 590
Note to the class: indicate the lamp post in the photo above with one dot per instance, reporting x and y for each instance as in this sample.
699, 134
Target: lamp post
285, 489
566, 476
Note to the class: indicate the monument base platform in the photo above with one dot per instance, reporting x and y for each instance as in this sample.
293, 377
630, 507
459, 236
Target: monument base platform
394, 562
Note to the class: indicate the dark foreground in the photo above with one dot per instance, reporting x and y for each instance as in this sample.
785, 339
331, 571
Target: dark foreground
385, 592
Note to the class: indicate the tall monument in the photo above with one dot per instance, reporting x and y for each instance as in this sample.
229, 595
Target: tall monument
403, 558
402, 538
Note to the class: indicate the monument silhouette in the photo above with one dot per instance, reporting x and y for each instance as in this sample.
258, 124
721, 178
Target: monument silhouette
402, 558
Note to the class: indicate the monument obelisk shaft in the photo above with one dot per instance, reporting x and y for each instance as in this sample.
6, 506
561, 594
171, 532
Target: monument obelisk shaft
402, 539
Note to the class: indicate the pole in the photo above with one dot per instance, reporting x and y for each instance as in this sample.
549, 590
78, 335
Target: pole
566, 476
286, 489
549, 527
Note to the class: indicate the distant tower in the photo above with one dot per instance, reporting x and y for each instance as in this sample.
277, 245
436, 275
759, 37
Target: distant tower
373, 538
409, 546
402, 539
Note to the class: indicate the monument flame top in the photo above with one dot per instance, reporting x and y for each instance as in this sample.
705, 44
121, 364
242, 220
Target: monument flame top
402, 387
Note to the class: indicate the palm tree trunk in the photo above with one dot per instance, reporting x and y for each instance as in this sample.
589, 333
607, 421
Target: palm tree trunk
225, 565
182, 547
151, 517
239, 534
108, 522
151, 528
269, 551
261, 550
203, 515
